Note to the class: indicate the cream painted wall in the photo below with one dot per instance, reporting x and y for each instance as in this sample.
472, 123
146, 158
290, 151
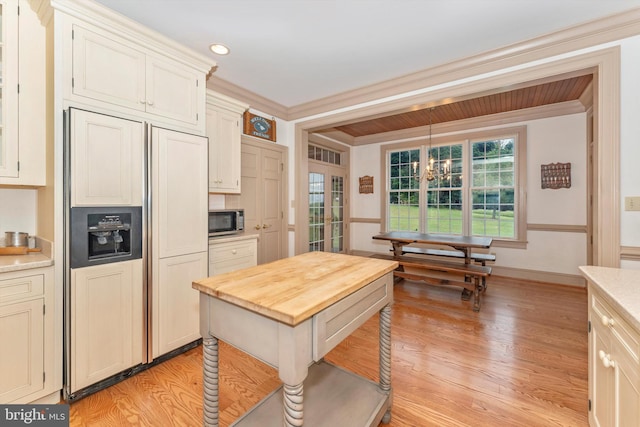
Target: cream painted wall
557, 139
553, 140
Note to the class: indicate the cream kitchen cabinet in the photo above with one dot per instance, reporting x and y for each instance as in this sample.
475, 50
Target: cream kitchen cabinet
614, 366
108, 69
232, 253
27, 361
106, 334
224, 121
106, 160
176, 317
22, 96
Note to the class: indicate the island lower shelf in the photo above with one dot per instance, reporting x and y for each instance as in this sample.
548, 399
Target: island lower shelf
332, 397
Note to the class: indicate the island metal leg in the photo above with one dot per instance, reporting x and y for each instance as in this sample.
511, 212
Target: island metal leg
210, 380
385, 356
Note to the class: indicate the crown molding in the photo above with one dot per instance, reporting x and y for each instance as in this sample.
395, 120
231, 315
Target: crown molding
102, 17
253, 99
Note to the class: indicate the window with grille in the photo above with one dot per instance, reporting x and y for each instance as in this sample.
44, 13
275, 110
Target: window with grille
473, 191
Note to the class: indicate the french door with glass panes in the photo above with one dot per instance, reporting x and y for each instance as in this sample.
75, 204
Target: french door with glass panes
326, 208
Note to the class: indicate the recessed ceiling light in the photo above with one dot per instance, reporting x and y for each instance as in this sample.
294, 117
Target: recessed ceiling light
220, 49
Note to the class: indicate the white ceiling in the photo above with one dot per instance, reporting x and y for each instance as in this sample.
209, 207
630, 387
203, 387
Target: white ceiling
296, 51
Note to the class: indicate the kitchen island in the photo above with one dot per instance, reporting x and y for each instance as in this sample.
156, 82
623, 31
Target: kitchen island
290, 313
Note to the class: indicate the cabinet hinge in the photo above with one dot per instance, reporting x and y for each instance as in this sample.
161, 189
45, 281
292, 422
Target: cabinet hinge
18, 10
72, 82
18, 88
589, 328
18, 166
197, 117
44, 377
44, 310
197, 83
589, 405
281, 167
281, 215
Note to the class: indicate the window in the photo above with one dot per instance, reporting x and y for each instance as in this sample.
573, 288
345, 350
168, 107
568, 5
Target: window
474, 190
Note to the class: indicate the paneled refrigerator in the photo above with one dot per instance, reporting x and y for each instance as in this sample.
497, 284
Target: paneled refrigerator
136, 236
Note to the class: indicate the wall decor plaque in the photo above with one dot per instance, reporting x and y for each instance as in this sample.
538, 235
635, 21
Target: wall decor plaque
255, 125
555, 175
366, 184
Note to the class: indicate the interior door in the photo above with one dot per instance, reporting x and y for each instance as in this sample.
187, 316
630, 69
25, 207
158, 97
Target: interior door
262, 170
326, 208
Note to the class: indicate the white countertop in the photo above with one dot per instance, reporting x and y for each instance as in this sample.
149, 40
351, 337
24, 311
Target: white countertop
24, 262
31, 260
620, 288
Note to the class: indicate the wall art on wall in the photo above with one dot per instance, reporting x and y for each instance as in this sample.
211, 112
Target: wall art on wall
555, 175
366, 184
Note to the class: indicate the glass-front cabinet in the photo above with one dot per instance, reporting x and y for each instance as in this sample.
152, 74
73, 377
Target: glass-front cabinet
8, 88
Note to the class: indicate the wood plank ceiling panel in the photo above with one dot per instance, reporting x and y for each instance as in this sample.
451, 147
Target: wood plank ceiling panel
568, 89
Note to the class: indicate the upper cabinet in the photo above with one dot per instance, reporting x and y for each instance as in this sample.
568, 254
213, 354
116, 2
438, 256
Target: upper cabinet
9, 90
114, 65
108, 69
23, 96
224, 121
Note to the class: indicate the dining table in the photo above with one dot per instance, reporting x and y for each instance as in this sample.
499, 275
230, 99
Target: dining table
462, 243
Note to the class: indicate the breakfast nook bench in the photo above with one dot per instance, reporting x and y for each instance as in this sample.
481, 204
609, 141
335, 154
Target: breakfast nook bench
468, 276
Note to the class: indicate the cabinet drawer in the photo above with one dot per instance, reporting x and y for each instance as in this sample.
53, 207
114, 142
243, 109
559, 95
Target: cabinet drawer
231, 250
333, 325
620, 328
228, 265
21, 288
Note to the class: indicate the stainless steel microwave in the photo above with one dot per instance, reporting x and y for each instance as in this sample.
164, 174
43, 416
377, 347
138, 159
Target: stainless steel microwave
225, 221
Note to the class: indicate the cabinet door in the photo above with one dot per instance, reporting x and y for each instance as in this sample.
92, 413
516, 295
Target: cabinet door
9, 89
176, 313
106, 69
22, 354
107, 327
261, 198
627, 388
223, 130
172, 91
601, 377
179, 193
106, 160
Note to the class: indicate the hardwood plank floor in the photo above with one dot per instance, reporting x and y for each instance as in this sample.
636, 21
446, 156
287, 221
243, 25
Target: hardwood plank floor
520, 361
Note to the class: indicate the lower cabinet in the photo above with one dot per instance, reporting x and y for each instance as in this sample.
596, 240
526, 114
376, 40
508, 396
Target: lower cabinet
176, 318
107, 331
230, 254
27, 328
614, 366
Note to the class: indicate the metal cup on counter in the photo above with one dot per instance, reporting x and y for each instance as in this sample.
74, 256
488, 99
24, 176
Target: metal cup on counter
16, 239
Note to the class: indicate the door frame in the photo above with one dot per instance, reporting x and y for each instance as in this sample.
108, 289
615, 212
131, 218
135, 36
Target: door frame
605, 64
329, 169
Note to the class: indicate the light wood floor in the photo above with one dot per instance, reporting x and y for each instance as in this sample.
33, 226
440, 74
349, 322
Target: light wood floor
520, 361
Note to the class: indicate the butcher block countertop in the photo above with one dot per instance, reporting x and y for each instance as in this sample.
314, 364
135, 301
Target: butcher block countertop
294, 289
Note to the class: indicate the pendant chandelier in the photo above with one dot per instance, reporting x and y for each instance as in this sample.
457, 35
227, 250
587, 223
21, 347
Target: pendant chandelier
430, 173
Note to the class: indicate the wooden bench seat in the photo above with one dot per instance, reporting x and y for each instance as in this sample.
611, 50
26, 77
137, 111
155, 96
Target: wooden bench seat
439, 273
476, 257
